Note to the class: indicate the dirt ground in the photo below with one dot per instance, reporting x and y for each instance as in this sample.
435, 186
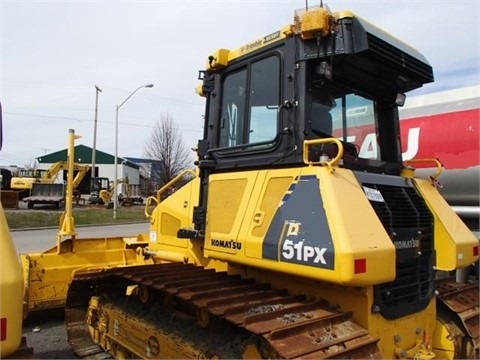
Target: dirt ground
47, 336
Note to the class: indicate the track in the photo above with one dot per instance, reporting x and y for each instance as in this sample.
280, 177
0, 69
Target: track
220, 307
459, 305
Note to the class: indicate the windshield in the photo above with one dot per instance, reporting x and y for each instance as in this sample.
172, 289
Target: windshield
354, 121
349, 117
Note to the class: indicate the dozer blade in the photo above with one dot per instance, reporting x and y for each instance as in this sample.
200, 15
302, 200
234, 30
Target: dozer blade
48, 274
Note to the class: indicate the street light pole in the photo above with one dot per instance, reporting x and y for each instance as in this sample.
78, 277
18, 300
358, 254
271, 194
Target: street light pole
115, 195
94, 150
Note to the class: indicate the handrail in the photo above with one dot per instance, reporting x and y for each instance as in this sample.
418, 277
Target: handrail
148, 204
433, 178
158, 198
329, 164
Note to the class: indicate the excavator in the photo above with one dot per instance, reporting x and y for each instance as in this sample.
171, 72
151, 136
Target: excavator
54, 193
304, 233
102, 189
21, 184
27, 178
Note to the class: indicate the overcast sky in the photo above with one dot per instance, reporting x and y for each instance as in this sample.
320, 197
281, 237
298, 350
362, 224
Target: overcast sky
53, 53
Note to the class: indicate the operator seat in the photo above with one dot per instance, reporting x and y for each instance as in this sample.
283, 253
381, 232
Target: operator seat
322, 126
322, 122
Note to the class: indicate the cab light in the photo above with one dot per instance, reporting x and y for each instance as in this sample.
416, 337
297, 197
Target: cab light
3, 329
360, 266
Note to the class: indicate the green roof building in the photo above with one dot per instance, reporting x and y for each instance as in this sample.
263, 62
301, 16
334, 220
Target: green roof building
104, 167
83, 155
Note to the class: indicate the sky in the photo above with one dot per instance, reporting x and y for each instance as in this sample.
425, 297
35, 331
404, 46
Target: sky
54, 53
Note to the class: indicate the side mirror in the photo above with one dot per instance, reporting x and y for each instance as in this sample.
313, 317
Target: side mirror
324, 70
400, 99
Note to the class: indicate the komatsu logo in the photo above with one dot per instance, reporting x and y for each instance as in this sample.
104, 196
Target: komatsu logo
298, 250
227, 244
407, 244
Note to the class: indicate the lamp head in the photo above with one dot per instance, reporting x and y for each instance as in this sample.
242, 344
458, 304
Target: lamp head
149, 85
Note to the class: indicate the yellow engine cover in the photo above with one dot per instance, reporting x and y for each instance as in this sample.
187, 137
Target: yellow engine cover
452, 236
306, 221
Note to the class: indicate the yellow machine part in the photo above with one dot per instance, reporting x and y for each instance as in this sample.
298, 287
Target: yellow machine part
396, 337
444, 341
238, 222
243, 211
124, 330
449, 341
11, 282
26, 183
114, 327
48, 274
172, 214
452, 236
241, 226
246, 202
105, 195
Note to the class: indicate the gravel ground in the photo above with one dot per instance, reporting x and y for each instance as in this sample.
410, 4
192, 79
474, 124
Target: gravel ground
47, 335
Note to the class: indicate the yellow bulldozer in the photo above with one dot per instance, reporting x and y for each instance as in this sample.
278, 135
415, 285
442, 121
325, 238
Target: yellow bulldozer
290, 241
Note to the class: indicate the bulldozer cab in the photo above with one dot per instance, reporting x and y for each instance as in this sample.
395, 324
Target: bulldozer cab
98, 186
294, 88
99, 183
340, 79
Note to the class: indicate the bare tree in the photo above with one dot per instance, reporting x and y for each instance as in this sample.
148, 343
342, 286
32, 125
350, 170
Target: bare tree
166, 145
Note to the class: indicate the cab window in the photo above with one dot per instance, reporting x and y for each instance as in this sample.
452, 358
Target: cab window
249, 108
355, 121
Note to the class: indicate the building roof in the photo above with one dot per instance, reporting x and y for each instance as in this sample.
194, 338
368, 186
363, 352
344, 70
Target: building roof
83, 155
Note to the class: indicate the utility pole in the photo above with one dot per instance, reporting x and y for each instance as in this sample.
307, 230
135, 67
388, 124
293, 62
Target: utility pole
115, 190
94, 150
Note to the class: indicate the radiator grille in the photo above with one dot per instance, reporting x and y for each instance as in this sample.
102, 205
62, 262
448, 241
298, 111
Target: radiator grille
409, 223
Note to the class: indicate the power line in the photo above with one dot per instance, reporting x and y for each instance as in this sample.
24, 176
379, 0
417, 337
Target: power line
46, 116
90, 120
6, 158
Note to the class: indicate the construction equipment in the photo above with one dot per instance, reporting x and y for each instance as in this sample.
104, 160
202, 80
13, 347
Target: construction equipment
49, 194
22, 182
54, 194
457, 110
11, 286
102, 190
47, 274
127, 199
303, 234
26, 178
